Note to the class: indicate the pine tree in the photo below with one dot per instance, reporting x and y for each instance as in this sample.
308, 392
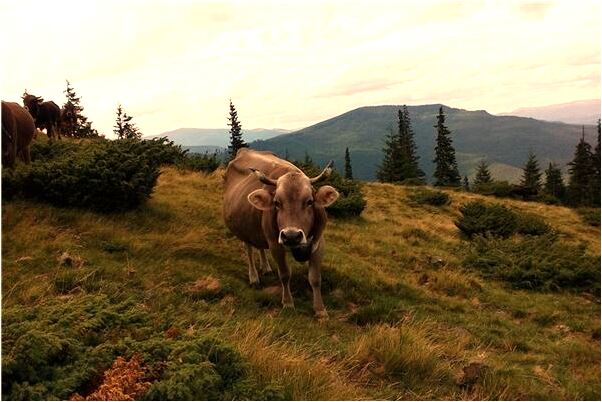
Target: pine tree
124, 128
482, 175
286, 155
554, 185
466, 184
581, 174
531, 180
390, 168
348, 171
409, 155
596, 189
236, 141
74, 123
446, 167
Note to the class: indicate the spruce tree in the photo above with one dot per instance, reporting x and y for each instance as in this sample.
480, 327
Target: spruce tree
390, 168
466, 184
348, 171
124, 128
236, 141
446, 167
74, 123
409, 155
581, 174
482, 176
531, 180
554, 185
596, 190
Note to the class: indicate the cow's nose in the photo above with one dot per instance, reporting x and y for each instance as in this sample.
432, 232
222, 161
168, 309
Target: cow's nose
291, 237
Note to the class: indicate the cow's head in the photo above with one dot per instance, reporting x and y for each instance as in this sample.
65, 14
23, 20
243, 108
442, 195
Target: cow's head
295, 204
32, 103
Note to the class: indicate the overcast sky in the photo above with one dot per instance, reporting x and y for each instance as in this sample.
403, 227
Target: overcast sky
291, 64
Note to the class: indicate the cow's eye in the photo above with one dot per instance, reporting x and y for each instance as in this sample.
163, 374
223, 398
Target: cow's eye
309, 202
277, 204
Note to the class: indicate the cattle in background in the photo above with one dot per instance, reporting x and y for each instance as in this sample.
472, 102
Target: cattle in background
18, 129
47, 115
269, 203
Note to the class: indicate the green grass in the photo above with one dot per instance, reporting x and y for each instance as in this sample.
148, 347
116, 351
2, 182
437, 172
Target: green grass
406, 315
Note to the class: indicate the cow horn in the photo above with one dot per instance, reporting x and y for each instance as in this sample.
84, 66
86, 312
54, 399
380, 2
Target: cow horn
263, 178
325, 173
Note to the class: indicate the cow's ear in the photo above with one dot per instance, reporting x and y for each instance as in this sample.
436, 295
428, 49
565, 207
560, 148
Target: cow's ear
326, 196
261, 199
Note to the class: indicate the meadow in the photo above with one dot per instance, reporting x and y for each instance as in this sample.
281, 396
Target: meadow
166, 286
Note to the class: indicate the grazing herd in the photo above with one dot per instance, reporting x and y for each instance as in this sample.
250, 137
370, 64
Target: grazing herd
19, 124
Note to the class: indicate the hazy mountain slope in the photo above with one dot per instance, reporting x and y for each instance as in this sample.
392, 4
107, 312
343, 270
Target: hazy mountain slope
503, 140
216, 137
578, 112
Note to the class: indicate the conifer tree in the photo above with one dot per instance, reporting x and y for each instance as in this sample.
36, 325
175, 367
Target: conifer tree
390, 168
124, 128
597, 170
286, 155
581, 174
409, 155
446, 167
466, 184
348, 171
554, 185
531, 180
236, 141
74, 123
482, 176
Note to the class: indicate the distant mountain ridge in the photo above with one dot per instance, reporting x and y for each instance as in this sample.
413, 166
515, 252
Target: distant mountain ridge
216, 137
504, 141
578, 112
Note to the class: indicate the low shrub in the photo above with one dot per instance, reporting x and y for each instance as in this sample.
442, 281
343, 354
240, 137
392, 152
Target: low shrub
538, 262
495, 188
479, 218
530, 224
199, 162
430, 197
590, 216
100, 175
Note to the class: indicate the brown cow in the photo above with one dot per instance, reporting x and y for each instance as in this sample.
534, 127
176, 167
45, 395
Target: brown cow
269, 203
47, 115
18, 130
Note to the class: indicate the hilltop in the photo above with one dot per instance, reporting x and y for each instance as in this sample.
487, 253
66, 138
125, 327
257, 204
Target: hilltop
503, 140
215, 138
408, 318
578, 112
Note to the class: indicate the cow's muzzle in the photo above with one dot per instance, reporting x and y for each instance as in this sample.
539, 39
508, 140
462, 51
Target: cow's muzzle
292, 237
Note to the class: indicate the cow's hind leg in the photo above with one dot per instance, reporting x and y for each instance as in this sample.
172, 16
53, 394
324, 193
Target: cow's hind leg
253, 275
265, 263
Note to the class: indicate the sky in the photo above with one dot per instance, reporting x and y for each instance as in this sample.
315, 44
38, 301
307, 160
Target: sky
290, 64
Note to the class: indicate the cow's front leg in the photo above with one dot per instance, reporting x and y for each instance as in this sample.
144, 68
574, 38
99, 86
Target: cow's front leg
253, 276
284, 273
315, 280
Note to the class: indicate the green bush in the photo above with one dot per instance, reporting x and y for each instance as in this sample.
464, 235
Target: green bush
479, 218
541, 263
529, 224
53, 350
199, 162
430, 197
590, 216
100, 175
495, 188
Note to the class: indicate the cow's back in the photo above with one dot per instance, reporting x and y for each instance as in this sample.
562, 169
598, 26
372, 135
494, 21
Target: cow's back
25, 127
240, 216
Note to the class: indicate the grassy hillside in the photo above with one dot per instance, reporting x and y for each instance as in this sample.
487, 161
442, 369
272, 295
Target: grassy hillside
502, 140
215, 137
407, 319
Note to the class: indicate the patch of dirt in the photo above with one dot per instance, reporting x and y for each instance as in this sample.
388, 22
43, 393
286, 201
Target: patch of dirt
207, 285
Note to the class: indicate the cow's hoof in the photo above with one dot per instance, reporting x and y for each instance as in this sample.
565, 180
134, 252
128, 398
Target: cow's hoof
254, 283
322, 315
289, 305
